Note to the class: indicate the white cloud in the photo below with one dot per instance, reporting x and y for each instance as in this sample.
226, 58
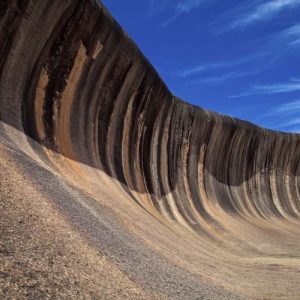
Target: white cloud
284, 117
295, 43
270, 89
206, 66
226, 76
295, 79
292, 122
293, 31
184, 6
277, 88
291, 35
286, 109
187, 5
193, 70
263, 11
218, 65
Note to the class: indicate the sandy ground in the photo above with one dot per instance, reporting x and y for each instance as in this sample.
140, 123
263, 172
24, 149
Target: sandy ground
57, 242
41, 255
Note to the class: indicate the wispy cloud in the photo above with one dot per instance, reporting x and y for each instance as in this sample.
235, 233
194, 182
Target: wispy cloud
291, 122
293, 31
286, 109
295, 79
291, 35
284, 117
208, 66
263, 12
188, 5
194, 70
221, 78
277, 88
225, 77
271, 89
184, 6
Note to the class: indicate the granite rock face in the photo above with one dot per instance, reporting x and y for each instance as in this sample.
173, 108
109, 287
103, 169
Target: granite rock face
224, 194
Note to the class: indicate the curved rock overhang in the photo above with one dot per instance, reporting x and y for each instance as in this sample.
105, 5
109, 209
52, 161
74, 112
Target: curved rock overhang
88, 101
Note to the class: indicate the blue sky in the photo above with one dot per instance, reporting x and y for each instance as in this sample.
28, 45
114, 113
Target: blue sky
237, 57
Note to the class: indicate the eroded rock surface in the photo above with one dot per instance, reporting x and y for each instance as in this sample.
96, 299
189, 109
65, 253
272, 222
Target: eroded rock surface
164, 198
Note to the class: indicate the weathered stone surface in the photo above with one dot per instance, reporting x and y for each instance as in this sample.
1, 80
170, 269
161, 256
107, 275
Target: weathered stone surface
207, 205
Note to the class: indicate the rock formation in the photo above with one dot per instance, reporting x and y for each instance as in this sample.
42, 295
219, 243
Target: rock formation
183, 202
